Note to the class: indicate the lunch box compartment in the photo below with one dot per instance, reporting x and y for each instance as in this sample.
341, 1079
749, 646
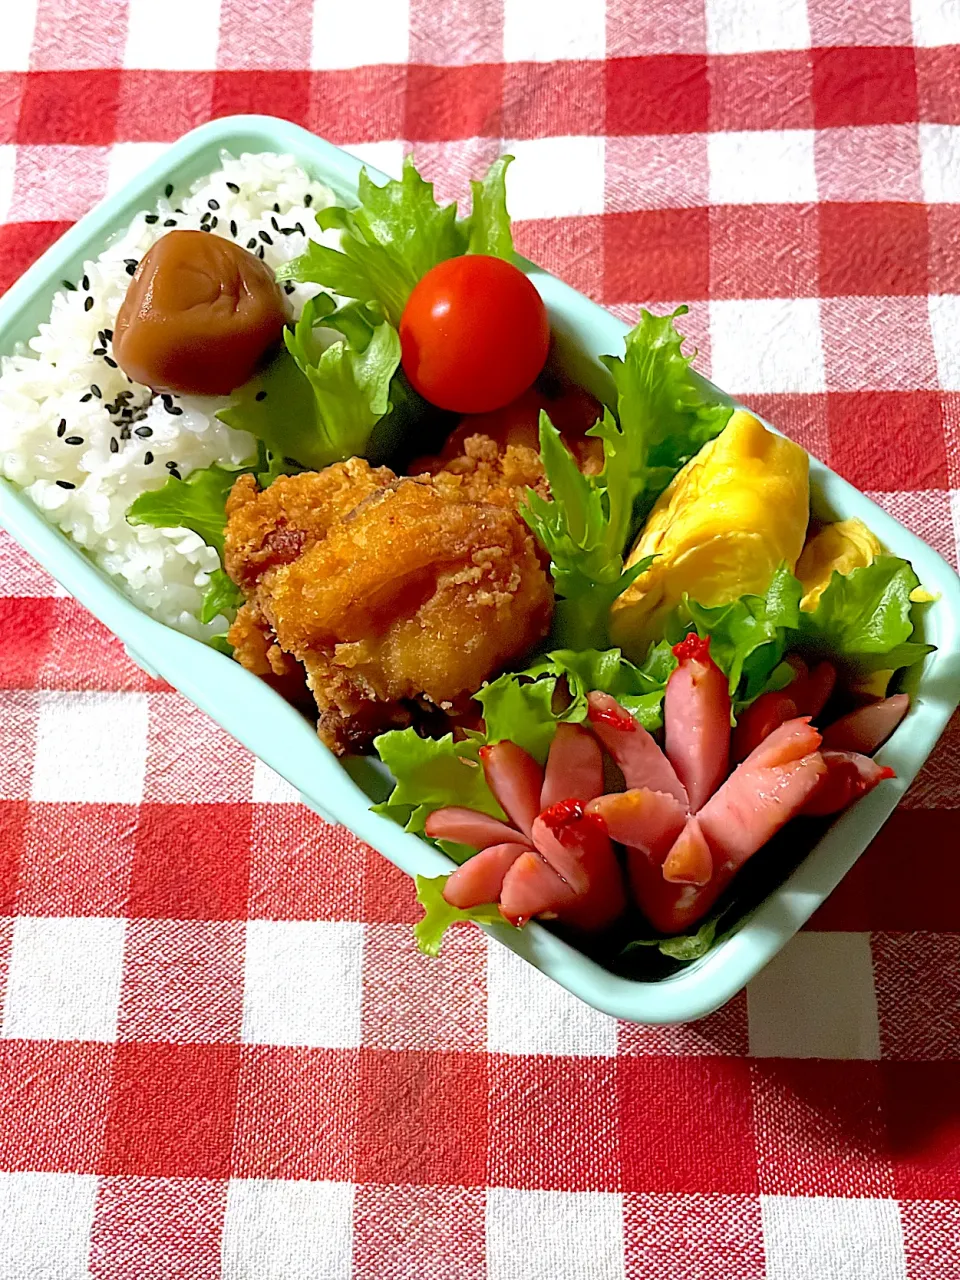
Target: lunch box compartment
341, 792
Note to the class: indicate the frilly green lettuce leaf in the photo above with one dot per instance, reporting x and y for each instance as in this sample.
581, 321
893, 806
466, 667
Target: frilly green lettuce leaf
864, 622
665, 412
487, 229
520, 710
866, 619
749, 637
438, 915
398, 233
320, 404
584, 527
222, 596
639, 689
431, 773
683, 946
222, 645
197, 502
664, 415
524, 707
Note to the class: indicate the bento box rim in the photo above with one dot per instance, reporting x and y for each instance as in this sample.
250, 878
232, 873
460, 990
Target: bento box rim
251, 712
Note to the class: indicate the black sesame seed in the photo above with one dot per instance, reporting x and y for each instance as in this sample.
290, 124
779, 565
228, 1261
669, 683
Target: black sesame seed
288, 287
88, 304
206, 227
287, 231
180, 211
151, 218
213, 204
168, 190
261, 395
265, 237
147, 458
175, 473
166, 397
131, 268
174, 409
252, 242
131, 261
275, 224
307, 200
68, 284
206, 218
74, 440
276, 208
232, 186
85, 282
108, 335
215, 223
61, 426
144, 432
110, 361
85, 398
260, 253
114, 447
99, 351
96, 390
299, 227
233, 227
65, 484
170, 222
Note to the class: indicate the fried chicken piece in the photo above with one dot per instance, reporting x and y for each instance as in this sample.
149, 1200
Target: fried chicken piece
571, 409
486, 473
523, 435
272, 527
400, 604
269, 528
416, 596
253, 641
255, 647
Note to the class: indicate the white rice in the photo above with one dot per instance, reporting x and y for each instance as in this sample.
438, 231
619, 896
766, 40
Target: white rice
164, 571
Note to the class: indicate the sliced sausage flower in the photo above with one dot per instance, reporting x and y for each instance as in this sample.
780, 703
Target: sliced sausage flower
555, 858
685, 823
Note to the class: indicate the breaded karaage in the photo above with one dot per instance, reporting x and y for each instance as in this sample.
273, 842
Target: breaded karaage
486, 472
398, 596
517, 426
271, 527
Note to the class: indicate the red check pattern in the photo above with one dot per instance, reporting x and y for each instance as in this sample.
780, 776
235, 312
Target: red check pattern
220, 1054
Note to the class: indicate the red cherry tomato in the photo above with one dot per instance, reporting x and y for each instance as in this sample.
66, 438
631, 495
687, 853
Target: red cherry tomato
474, 334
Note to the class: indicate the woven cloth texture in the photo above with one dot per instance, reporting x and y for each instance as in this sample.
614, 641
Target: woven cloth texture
220, 1054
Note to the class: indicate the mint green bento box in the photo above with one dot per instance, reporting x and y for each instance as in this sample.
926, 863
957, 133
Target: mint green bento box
341, 792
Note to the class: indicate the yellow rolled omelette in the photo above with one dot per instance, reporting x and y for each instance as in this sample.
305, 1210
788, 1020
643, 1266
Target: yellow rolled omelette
728, 519
836, 548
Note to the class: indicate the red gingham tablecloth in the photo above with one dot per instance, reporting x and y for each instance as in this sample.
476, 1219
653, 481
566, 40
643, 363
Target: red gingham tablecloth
220, 1054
